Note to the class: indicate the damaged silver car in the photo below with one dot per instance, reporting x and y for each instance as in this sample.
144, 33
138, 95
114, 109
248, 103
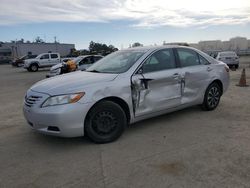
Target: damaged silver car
122, 88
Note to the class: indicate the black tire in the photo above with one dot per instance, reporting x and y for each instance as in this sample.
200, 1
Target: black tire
212, 97
236, 66
105, 122
33, 67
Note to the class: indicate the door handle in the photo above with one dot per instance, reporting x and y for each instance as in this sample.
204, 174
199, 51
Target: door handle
145, 81
176, 75
209, 69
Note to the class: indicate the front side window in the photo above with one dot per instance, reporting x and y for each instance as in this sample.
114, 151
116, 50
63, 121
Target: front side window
160, 60
46, 56
86, 60
203, 61
188, 57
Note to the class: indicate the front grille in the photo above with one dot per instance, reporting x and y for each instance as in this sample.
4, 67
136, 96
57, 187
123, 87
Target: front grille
32, 100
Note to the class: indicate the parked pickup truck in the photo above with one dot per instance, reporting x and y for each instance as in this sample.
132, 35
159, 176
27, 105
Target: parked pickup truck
42, 60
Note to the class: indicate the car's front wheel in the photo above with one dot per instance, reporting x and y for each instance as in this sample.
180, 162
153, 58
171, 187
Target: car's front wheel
212, 97
33, 67
105, 122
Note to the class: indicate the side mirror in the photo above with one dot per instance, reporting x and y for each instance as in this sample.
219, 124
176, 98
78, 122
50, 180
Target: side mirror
140, 71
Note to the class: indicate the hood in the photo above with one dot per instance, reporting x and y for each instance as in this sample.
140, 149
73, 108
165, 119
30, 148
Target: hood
29, 60
57, 66
71, 82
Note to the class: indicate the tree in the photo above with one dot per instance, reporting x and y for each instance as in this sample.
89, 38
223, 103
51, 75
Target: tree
99, 48
38, 40
74, 53
137, 44
84, 52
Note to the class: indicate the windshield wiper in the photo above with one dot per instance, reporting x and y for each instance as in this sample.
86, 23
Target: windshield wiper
94, 71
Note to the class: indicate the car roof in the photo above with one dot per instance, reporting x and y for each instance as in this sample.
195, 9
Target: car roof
227, 53
153, 48
83, 56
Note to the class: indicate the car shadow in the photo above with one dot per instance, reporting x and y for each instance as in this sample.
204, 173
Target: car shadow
165, 117
27, 72
53, 141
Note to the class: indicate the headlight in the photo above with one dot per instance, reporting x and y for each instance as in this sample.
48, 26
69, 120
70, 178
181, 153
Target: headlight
63, 99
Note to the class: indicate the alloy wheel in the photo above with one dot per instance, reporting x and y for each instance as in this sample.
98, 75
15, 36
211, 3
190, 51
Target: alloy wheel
213, 97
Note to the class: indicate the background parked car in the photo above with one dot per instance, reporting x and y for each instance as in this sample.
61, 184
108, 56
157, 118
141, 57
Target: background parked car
20, 61
229, 57
65, 59
42, 60
82, 63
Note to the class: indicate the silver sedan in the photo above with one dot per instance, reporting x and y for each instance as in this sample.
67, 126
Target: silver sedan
122, 88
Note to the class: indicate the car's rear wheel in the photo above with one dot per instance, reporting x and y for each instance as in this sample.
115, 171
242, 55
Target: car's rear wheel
33, 67
212, 97
105, 122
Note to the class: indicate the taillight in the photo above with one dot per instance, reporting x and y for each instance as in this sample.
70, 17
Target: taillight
226, 68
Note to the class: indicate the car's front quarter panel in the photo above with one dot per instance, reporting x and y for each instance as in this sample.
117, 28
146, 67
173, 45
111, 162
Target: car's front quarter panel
69, 118
120, 88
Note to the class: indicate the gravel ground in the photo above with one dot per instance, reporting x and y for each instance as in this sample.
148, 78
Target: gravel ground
188, 148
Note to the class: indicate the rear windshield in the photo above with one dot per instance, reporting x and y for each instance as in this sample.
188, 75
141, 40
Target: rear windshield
227, 54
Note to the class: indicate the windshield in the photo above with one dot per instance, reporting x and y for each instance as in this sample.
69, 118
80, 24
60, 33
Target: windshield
78, 59
117, 62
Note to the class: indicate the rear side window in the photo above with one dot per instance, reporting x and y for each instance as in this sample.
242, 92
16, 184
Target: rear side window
54, 56
188, 57
160, 60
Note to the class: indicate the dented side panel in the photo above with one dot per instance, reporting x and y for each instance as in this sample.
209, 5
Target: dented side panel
162, 91
196, 79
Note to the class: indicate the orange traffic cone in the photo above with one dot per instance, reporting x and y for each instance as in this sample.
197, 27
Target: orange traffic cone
242, 82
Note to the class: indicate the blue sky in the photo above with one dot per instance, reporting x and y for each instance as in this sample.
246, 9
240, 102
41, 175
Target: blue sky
123, 22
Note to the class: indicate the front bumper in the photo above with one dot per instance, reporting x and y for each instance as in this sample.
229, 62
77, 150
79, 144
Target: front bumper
25, 65
232, 62
53, 73
67, 119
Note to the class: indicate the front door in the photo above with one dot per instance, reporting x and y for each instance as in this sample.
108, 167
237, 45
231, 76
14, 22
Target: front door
85, 63
44, 60
157, 84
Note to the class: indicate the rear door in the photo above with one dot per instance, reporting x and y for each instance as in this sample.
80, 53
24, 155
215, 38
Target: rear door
156, 86
54, 59
195, 73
